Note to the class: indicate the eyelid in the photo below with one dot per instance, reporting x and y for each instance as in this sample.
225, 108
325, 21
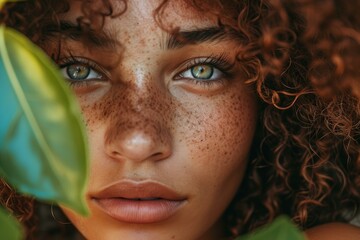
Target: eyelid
217, 72
219, 62
67, 61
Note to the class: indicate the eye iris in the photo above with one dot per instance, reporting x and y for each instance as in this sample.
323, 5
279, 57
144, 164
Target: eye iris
202, 71
78, 71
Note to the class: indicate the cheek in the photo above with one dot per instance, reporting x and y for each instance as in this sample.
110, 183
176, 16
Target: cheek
219, 134
91, 111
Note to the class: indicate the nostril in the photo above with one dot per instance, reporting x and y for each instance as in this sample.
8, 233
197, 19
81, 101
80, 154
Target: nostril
115, 154
159, 156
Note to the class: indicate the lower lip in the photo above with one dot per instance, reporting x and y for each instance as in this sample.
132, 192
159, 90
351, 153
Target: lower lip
139, 211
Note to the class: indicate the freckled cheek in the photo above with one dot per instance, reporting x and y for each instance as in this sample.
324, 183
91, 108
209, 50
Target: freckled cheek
93, 115
91, 112
92, 103
219, 137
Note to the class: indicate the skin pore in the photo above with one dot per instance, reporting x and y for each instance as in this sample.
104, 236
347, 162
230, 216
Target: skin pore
160, 113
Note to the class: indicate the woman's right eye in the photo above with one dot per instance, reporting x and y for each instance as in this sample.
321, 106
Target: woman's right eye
79, 72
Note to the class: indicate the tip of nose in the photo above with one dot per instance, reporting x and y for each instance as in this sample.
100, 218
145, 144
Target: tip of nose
138, 142
138, 146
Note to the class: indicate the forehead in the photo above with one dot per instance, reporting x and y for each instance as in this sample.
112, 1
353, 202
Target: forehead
139, 14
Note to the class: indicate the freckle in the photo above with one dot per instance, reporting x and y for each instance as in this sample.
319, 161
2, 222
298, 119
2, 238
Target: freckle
142, 42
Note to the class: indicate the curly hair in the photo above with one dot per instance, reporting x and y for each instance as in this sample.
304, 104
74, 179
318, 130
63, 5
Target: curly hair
302, 57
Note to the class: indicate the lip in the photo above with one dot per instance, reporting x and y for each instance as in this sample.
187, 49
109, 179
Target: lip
139, 202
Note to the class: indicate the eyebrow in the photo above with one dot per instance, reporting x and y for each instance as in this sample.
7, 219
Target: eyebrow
96, 38
182, 38
103, 39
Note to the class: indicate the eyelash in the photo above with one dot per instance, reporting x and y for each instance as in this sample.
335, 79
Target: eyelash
219, 63
67, 62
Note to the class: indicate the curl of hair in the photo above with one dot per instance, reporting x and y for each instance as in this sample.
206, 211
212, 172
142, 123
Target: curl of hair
302, 58
20, 206
306, 151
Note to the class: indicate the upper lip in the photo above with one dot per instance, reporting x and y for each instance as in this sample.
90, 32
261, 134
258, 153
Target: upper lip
138, 190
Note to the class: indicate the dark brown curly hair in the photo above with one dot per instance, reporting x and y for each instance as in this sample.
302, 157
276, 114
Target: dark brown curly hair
303, 59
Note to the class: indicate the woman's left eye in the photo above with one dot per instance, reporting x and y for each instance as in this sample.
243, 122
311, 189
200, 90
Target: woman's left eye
79, 72
202, 72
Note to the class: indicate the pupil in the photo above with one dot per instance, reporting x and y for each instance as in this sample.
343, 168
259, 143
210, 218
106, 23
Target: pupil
78, 71
202, 71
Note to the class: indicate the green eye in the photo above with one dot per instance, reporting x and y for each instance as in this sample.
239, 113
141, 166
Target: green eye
78, 71
202, 71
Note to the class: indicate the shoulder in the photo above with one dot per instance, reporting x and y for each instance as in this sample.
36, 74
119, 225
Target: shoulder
334, 231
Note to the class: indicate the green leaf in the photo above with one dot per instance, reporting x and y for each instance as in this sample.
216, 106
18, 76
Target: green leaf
10, 229
43, 150
280, 229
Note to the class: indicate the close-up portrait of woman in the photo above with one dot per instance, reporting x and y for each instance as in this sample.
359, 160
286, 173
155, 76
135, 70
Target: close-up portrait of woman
206, 119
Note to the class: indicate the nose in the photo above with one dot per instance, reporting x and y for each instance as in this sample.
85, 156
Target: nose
138, 126
138, 140
138, 146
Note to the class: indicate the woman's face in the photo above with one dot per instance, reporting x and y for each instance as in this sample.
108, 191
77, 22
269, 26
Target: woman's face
170, 122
